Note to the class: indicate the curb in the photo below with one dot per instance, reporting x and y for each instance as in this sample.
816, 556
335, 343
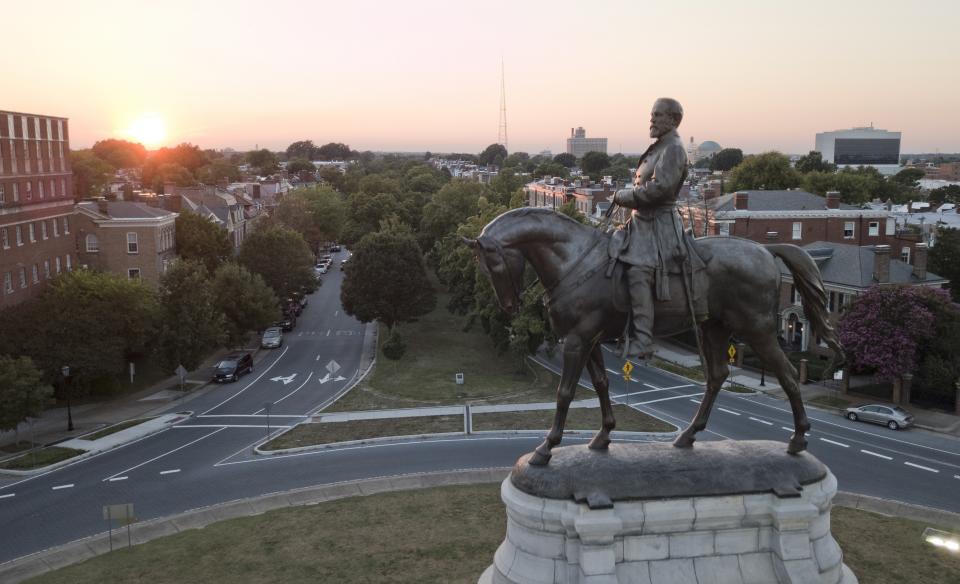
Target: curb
26, 567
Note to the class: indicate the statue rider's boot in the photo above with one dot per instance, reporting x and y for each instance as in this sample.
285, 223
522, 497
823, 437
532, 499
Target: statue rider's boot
641, 308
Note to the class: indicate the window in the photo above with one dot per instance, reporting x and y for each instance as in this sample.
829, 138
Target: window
3, 198
33, 234
63, 187
57, 264
66, 225
797, 230
46, 269
36, 274
132, 245
5, 238
29, 189
93, 246
69, 263
43, 229
23, 277
19, 236
849, 229
40, 188
53, 190
905, 254
831, 299
724, 229
8, 283
56, 228
891, 226
16, 191
874, 229
133, 273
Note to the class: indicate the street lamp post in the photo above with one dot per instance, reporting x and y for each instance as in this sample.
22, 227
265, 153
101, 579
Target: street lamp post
65, 370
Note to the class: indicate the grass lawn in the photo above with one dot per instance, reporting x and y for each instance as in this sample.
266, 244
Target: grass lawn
327, 433
15, 447
443, 535
116, 428
694, 373
828, 401
40, 458
628, 419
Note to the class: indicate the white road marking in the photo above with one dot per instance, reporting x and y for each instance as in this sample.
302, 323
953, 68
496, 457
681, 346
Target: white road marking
654, 386
300, 334
921, 467
225, 426
8, 495
265, 371
761, 421
883, 456
787, 428
653, 401
171, 471
58, 487
253, 416
635, 392
336, 312
696, 401
296, 390
115, 479
318, 357
676, 386
729, 411
828, 441
328, 334
164, 454
956, 476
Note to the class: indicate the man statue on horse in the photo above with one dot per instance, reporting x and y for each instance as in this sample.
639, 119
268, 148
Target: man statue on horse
653, 245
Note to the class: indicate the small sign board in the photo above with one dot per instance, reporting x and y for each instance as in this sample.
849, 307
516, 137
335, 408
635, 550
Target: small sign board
459, 378
333, 367
627, 368
181, 373
732, 353
122, 513
838, 375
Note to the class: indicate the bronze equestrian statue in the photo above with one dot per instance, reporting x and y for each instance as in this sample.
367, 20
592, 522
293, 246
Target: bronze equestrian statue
738, 286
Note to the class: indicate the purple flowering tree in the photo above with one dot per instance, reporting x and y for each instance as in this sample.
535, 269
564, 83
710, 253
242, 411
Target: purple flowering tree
885, 327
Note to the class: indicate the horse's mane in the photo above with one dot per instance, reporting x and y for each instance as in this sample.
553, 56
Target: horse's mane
529, 218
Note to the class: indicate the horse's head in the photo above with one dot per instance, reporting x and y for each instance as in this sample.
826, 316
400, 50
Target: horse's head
504, 267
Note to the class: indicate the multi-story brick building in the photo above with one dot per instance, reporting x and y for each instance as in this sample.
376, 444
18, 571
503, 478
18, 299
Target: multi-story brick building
36, 204
127, 238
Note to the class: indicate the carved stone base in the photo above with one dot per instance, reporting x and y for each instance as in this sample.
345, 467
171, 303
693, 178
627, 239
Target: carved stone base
754, 537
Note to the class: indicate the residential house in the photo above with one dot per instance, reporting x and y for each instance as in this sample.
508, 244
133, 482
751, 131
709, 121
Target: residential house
219, 206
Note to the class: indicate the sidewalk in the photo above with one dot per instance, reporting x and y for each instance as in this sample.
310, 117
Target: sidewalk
51, 427
932, 420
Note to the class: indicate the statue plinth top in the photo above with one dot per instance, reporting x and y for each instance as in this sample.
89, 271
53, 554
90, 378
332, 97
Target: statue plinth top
639, 471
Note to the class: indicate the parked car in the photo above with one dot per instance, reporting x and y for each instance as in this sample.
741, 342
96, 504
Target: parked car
300, 298
272, 338
287, 323
322, 268
335, 248
343, 263
293, 306
893, 417
231, 367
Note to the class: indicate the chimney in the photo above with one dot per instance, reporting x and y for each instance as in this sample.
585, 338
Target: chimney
833, 199
920, 261
741, 201
881, 263
102, 206
571, 132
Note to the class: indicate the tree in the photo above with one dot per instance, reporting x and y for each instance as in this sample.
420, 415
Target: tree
263, 160
944, 259
505, 185
23, 394
199, 239
332, 176
493, 154
302, 149
944, 194
386, 279
909, 178
593, 162
219, 170
298, 165
566, 159
450, 207
516, 160
281, 257
317, 213
551, 169
726, 159
814, 162
334, 151
245, 301
90, 173
169, 173
884, 329
120, 153
192, 323
770, 171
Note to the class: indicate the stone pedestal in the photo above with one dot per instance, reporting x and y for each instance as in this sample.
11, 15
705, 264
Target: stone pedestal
720, 513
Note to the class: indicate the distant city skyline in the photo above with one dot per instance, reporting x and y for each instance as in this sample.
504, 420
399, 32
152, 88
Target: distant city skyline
424, 75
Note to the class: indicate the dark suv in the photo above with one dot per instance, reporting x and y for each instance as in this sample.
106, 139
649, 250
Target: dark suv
231, 367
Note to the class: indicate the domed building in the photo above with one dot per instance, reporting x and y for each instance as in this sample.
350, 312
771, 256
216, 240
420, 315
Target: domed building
707, 149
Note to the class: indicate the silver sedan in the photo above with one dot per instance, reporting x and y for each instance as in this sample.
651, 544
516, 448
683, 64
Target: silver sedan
892, 417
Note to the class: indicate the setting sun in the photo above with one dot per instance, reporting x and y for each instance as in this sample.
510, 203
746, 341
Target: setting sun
148, 129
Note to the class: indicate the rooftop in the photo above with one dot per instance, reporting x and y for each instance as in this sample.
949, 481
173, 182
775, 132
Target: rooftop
796, 200
126, 210
850, 265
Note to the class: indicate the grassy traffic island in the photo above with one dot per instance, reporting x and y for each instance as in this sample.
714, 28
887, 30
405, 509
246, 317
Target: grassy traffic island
443, 535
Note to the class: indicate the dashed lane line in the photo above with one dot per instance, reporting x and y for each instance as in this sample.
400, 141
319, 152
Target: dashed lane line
787, 428
164, 454
696, 401
726, 411
115, 479
835, 443
8, 495
58, 487
761, 421
921, 467
883, 456
171, 471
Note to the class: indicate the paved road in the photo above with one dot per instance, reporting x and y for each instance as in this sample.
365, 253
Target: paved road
207, 459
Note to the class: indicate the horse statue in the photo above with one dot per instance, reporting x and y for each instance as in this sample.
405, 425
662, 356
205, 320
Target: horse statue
569, 258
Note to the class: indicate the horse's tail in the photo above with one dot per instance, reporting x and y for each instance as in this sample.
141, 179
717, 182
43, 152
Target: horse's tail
806, 277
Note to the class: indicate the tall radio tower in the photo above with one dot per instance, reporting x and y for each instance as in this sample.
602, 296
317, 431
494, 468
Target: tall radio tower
502, 131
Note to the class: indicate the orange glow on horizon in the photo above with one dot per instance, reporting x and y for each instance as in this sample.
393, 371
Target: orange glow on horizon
149, 129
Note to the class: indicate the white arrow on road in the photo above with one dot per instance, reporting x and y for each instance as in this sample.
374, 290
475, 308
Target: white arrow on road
285, 380
326, 378
333, 367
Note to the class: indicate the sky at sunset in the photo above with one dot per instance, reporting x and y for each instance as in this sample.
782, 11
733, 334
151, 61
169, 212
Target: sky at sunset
419, 75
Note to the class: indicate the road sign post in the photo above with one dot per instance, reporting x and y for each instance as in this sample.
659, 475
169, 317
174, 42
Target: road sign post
181, 373
732, 353
627, 368
123, 514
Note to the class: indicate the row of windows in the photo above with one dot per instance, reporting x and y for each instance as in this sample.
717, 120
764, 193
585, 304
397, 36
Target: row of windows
54, 128
19, 278
836, 301
133, 243
29, 232
41, 187
25, 156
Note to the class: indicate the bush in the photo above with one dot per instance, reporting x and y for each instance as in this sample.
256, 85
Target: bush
394, 347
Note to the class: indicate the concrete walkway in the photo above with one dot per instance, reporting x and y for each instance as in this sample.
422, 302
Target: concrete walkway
445, 411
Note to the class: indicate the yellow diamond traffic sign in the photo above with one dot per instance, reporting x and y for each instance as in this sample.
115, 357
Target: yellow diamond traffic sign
732, 352
627, 368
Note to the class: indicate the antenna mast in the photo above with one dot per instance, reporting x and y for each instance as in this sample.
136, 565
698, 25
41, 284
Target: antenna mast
502, 130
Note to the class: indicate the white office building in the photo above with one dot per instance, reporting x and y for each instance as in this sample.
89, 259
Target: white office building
861, 147
578, 144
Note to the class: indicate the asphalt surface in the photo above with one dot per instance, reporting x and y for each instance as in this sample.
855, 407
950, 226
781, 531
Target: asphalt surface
207, 459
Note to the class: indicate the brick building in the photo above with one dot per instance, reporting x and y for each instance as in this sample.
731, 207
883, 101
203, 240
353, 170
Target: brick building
36, 204
127, 238
590, 198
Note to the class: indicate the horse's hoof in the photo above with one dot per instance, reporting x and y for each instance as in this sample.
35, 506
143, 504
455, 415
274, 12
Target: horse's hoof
797, 445
684, 441
538, 458
599, 443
